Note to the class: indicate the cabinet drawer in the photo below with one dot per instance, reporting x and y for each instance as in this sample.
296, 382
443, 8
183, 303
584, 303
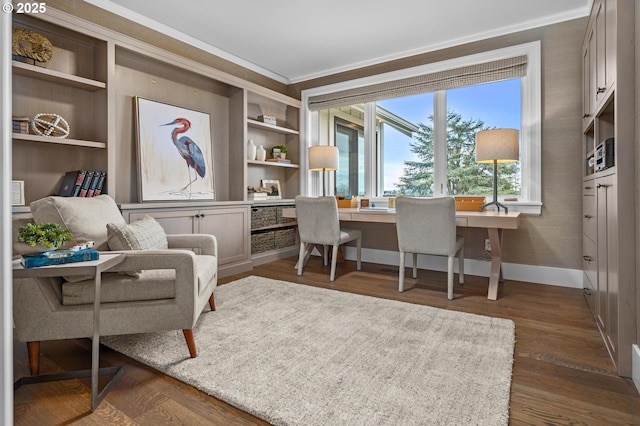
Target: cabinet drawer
589, 216
588, 188
589, 260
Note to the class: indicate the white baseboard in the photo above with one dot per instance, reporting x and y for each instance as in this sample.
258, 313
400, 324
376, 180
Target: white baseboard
635, 366
560, 277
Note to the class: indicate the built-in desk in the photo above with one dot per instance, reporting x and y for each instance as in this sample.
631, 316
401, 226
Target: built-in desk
493, 222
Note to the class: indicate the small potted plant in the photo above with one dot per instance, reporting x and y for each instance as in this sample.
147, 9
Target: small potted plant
279, 151
41, 237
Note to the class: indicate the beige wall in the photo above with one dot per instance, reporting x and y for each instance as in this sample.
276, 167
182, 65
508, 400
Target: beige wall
555, 237
551, 239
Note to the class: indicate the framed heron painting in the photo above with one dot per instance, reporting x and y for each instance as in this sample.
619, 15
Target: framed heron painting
175, 152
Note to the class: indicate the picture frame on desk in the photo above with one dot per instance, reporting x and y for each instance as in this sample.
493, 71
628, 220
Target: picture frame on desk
174, 151
274, 186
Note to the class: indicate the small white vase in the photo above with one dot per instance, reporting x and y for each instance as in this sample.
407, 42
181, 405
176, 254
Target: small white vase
261, 153
251, 150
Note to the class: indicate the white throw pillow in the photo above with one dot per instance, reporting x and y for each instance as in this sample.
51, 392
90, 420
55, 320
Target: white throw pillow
143, 234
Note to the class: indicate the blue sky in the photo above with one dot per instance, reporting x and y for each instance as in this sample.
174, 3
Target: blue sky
496, 104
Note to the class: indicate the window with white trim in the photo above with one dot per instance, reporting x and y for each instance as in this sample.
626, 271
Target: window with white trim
391, 126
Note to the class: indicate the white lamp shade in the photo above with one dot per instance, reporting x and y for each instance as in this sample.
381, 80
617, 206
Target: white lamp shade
323, 157
497, 144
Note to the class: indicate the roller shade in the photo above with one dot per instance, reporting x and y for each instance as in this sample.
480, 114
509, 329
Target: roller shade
502, 69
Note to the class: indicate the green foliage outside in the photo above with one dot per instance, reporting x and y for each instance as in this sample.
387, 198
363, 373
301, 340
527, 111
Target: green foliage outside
49, 235
464, 175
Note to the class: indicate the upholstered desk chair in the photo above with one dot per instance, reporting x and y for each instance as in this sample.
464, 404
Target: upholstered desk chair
428, 226
318, 223
161, 285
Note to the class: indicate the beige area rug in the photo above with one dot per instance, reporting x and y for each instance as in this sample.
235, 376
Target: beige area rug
298, 355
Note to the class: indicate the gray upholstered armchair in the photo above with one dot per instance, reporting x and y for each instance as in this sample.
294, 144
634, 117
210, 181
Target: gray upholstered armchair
162, 286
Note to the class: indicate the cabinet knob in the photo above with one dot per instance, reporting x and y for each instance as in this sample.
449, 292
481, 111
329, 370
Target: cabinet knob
603, 185
588, 216
587, 258
601, 90
587, 187
585, 115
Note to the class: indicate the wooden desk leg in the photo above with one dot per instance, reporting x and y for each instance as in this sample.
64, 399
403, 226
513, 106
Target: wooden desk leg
495, 237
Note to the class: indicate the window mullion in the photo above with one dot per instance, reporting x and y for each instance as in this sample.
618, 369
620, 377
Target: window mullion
440, 143
370, 154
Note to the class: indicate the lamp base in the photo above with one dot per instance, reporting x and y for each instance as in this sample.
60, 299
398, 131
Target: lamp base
497, 204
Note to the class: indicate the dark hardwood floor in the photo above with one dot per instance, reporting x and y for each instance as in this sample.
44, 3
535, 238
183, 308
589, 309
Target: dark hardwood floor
562, 374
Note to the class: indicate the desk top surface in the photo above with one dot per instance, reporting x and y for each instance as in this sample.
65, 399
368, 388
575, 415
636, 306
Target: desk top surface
471, 219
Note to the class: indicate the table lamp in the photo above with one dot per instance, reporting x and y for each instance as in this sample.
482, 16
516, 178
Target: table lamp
497, 146
323, 158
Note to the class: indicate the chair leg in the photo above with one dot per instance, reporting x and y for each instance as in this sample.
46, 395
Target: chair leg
450, 260
325, 254
359, 254
334, 260
301, 257
461, 265
191, 343
401, 272
212, 302
415, 265
33, 349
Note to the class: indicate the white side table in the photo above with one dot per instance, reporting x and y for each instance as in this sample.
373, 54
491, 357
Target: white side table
93, 268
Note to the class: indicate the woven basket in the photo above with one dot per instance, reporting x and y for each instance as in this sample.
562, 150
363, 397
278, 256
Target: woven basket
285, 238
263, 216
262, 242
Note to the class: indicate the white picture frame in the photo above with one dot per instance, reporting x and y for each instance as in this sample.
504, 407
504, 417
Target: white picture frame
17, 193
175, 152
274, 186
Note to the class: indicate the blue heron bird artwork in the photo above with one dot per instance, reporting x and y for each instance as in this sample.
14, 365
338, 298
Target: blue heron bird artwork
175, 158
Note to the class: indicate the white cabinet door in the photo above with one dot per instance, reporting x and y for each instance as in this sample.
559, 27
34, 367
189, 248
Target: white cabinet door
231, 229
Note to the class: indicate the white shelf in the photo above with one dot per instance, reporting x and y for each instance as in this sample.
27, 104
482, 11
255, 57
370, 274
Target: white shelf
273, 164
54, 76
276, 226
260, 125
65, 141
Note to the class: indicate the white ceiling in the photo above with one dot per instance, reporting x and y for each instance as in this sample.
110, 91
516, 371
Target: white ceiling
296, 40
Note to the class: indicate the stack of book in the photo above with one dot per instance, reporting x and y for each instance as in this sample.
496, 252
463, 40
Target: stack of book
58, 257
20, 124
268, 119
82, 183
257, 196
279, 160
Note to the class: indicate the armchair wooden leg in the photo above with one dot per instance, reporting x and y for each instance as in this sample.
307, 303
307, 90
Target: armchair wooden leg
212, 303
33, 349
191, 343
